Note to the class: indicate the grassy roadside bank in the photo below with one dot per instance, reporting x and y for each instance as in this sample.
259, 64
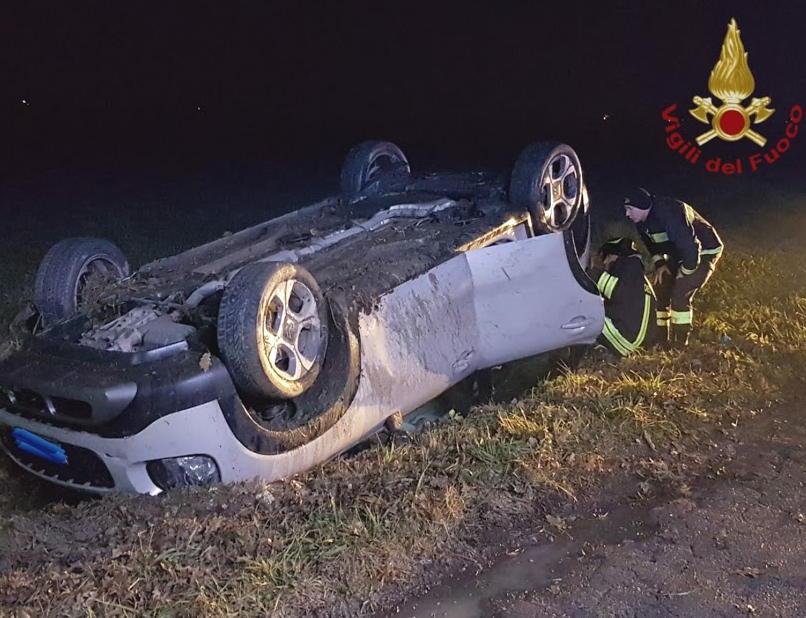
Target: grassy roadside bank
339, 538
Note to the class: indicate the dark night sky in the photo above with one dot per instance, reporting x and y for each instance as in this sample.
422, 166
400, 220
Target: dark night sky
122, 81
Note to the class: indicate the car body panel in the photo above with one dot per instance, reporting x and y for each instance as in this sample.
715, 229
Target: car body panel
528, 301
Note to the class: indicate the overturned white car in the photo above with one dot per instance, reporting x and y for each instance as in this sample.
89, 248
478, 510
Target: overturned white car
271, 350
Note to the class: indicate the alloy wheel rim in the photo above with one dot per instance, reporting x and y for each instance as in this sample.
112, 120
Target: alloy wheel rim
290, 330
560, 192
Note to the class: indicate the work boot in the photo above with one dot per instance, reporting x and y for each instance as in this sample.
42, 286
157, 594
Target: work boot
662, 338
679, 336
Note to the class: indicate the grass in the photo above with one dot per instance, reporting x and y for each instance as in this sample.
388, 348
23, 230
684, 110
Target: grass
338, 539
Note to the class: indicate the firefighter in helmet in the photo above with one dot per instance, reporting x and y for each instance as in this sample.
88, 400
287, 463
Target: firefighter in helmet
685, 249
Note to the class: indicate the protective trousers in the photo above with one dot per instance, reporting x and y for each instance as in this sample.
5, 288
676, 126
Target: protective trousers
675, 295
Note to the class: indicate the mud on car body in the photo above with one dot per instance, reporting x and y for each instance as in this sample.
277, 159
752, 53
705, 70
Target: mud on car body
271, 350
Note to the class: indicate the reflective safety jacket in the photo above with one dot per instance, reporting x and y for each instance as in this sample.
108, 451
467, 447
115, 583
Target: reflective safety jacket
629, 303
677, 235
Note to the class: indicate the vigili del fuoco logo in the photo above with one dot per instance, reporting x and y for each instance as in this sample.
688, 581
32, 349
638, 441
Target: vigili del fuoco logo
729, 117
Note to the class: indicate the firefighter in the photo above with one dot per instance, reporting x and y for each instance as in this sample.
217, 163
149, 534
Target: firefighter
685, 249
628, 298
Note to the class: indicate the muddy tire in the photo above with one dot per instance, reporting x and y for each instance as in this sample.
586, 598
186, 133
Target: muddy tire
371, 167
273, 330
278, 426
70, 270
547, 182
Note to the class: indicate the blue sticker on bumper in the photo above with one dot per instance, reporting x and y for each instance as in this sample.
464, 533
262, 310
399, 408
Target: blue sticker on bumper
39, 447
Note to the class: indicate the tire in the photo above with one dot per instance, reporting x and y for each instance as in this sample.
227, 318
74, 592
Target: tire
272, 337
302, 419
372, 166
547, 182
581, 230
67, 268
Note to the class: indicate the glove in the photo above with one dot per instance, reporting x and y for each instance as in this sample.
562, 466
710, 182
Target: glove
660, 274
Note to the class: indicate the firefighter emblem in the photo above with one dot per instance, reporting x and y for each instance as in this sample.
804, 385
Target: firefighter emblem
732, 82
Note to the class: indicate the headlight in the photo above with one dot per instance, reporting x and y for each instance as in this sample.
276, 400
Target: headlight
190, 471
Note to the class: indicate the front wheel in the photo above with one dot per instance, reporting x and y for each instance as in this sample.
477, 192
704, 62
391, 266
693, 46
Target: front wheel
273, 329
547, 182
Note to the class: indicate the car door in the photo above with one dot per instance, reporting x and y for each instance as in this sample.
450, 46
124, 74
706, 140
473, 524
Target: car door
532, 296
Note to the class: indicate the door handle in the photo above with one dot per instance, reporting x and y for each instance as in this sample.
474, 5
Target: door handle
577, 323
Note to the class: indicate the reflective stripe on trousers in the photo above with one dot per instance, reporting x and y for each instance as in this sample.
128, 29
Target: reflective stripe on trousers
618, 341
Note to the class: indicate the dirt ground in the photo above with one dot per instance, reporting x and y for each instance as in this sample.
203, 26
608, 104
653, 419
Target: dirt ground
733, 543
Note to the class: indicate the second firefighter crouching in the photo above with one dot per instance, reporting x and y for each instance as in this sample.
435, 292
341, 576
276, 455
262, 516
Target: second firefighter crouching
629, 299
685, 249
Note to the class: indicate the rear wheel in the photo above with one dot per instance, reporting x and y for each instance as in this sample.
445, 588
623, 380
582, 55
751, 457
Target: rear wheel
547, 182
372, 166
273, 329
73, 273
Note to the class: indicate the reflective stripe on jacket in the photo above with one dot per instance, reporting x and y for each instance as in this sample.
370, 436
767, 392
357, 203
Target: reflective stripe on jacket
629, 302
674, 230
